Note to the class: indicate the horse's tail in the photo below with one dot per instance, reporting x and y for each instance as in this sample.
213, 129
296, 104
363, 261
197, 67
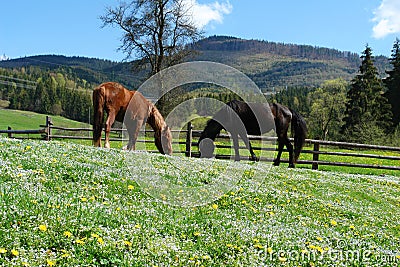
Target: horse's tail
299, 129
162, 133
98, 114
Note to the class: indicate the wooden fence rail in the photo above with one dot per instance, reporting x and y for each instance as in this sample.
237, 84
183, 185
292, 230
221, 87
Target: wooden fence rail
47, 133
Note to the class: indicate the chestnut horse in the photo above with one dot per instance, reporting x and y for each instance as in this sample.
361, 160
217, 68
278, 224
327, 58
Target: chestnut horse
131, 108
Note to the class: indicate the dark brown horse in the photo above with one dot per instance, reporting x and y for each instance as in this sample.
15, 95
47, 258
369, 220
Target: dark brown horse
131, 108
242, 119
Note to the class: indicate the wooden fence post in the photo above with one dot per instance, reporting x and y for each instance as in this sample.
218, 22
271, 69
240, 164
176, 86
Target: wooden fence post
315, 156
189, 138
49, 123
9, 134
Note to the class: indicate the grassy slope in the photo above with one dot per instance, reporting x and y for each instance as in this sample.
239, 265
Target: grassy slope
22, 120
75, 205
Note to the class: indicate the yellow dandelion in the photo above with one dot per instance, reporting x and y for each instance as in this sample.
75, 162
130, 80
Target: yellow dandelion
43, 228
258, 246
127, 243
100, 241
333, 223
3, 250
256, 240
319, 238
67, 234
50, 262
80, 241
95, 235
65, 255
214, 206
24, 263
398, 257
131, 187
137, 226
269, 250
352, 227
196, 233
84, 199
229, 245
14, 252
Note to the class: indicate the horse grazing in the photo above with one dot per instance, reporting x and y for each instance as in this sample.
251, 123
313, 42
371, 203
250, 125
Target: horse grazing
131, 108
241, 118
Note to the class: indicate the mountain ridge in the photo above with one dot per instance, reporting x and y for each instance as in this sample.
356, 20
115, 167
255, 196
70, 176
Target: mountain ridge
270, 65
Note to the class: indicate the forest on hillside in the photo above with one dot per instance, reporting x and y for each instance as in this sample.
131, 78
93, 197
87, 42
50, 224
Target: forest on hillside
60, 85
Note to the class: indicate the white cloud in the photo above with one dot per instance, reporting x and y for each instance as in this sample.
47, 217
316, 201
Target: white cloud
3, 57
203, 14
387, 18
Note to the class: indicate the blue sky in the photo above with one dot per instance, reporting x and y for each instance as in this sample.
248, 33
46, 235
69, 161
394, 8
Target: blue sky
73, 27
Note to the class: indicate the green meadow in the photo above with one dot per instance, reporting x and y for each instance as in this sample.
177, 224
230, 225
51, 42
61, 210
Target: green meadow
66, 204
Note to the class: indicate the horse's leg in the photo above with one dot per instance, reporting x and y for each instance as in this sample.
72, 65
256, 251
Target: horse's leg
289, 147
133, 134
235, 140
110, 120
277, 161
248, 146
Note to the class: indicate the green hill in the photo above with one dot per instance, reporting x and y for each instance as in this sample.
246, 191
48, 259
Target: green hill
269, 64
23, 120
70, 205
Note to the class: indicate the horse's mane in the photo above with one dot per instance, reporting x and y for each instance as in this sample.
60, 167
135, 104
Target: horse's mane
162, 132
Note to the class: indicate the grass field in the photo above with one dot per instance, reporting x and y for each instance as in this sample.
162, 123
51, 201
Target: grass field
24, 120
64, 204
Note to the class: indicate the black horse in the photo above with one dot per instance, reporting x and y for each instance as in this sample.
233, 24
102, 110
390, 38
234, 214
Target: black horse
242, 119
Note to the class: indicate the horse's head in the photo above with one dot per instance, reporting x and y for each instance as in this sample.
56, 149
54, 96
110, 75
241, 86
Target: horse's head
166, 140
206, 147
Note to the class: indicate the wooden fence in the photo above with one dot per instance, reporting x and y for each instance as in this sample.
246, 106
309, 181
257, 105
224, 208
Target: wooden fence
47, 133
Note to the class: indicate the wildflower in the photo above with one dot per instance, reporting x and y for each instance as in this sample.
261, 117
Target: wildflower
24, 263
43, 228
229, 245
84, 199
67, 234
14, 252
3, 250
214, 206
95, 235
319, 238
131, 187
333, 223
100, 241
196, 233
80, 241
127, 243
269, 250
352, 227
50, 262
258, 246
137, 226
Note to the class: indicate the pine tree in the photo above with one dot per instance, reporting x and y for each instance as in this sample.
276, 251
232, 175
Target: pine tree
392, 83
367, 107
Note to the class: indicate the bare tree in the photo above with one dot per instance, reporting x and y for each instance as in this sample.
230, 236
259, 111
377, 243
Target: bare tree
156, 32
